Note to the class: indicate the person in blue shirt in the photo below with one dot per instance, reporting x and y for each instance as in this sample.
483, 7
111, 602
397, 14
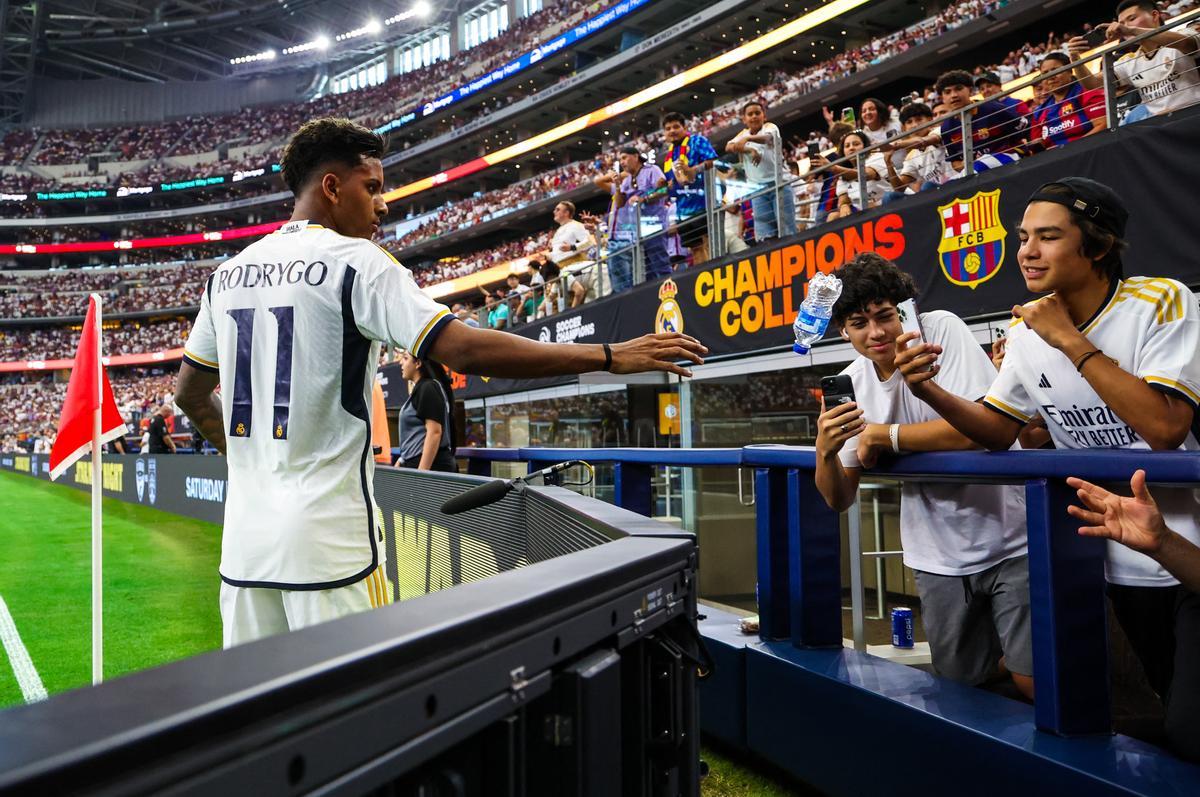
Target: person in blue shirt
1070, 110
687, 160
996, 130
990, 86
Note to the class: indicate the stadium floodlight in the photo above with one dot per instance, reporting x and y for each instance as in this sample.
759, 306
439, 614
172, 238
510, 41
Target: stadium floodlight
373, 26
265, 55
421, 8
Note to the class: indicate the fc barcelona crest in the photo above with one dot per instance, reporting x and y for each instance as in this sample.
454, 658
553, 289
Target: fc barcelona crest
972, 243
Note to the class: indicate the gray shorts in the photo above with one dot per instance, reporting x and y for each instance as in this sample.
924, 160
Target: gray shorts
971, 620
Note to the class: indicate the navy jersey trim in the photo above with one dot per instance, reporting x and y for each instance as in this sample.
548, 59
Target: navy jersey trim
208, 286
199, 366
344, 582
432, 334
356, 352
1113, 286
1003, 414
1170, 391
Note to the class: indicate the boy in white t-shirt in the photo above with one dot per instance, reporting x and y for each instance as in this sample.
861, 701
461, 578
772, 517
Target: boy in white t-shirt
965, 544
1108, 362
924, 167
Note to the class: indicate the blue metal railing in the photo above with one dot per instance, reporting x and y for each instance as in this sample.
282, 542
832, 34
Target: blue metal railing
799, 574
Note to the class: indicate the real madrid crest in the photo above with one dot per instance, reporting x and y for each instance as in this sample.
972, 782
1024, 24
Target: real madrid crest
670, 317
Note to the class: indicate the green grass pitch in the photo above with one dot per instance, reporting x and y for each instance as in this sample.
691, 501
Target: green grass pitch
160, 584
160, 597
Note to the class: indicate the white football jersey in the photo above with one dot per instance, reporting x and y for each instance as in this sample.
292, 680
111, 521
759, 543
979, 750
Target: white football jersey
947, 529
293, 324
1152, 328
1167, 79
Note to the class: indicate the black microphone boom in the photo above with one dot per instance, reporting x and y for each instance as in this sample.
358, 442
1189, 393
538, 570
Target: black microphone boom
482, 495
493, 491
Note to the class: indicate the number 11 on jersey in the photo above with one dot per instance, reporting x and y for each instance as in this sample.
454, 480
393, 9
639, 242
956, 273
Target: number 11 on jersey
242, 409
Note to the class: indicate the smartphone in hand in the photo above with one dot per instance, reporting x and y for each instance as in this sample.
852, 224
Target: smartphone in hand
814, 149
909, 320
1096, 37
837, 389
848, 116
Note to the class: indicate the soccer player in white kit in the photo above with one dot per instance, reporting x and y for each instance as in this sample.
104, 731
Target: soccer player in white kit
1108, 362
291, 329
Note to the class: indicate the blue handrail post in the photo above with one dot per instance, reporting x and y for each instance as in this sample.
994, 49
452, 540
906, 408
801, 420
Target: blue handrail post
1070, 626
814, 563
771, 522
631, 482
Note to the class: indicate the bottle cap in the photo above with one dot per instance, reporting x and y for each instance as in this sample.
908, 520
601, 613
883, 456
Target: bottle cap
799, 348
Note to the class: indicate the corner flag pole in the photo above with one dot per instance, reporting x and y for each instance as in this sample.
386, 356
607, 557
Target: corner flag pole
97, 511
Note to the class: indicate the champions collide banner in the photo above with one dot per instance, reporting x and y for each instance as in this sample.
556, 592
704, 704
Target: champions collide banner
959, 242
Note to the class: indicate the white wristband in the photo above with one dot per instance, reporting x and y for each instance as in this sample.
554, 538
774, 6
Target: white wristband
894, 436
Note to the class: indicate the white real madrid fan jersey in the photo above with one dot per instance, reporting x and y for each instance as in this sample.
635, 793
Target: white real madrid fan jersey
1167, 78
292, 324
1152, 328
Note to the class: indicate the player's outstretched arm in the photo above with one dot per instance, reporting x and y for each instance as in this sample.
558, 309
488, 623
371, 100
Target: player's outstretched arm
194, 395
490, 353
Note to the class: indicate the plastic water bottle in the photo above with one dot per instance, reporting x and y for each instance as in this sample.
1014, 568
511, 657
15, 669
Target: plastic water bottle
815, 312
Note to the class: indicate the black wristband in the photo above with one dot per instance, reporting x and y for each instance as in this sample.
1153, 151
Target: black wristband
607, 357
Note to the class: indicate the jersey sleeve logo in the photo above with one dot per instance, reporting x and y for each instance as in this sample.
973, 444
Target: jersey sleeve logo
972, 241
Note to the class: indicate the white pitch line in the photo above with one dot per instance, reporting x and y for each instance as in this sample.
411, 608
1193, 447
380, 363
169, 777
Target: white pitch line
27, 676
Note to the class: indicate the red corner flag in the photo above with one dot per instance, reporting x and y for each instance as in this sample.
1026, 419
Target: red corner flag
76, 425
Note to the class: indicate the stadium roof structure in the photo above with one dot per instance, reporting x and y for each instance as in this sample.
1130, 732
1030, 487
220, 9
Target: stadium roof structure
145, 40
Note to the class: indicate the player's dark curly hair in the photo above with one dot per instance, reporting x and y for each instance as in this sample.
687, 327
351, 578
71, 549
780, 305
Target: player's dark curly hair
323, 141
868, 279
1097, 242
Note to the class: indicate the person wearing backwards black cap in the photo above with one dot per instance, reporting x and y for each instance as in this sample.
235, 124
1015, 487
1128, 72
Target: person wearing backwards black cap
1108, 362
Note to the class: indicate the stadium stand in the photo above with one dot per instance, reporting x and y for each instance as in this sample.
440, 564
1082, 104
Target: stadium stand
856, 121
148, 145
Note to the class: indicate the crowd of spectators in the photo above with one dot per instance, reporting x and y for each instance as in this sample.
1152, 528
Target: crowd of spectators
29, 406
470, 212
372, 105
65, 293
785, 86
476, 210
59, 343
16, 144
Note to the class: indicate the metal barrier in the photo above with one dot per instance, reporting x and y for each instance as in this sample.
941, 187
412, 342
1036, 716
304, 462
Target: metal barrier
799, 584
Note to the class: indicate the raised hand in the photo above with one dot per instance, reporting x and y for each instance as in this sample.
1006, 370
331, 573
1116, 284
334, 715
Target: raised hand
1134, 522
999, 348
1050, 320
657, 352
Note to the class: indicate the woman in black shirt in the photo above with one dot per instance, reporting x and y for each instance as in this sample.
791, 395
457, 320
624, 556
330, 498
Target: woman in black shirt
426, 420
